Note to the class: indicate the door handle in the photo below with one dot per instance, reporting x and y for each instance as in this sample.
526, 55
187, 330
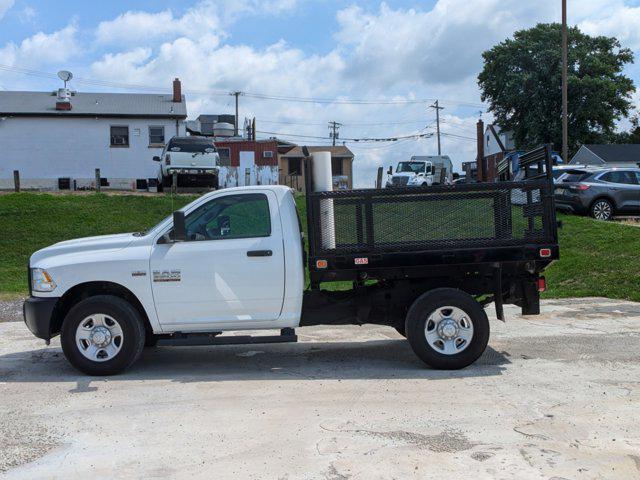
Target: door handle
259, 253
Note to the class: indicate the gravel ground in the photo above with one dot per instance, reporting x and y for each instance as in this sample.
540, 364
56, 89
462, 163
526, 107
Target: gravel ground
555, 396
11, 309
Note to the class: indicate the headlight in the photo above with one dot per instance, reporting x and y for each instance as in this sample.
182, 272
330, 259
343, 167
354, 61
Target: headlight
41, 281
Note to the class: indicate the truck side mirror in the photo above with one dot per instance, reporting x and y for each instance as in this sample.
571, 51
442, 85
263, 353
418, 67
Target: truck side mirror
390, 171
156, 159
179, 228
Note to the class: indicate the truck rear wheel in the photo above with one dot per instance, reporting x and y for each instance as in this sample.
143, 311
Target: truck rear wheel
102, 335
447, 329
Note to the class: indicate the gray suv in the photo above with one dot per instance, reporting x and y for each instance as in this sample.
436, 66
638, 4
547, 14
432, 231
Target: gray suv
601, 193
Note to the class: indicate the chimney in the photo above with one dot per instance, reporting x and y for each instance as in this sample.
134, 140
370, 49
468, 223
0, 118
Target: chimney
480, 158
63, 101
177, 91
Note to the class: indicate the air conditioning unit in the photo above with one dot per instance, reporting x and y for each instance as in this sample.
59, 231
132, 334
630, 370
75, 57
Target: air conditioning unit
268, 154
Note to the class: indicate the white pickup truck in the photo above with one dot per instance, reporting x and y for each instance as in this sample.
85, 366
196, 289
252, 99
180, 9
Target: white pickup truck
193, 159
234, 260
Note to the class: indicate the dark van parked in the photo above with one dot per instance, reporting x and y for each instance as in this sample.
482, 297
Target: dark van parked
601, 193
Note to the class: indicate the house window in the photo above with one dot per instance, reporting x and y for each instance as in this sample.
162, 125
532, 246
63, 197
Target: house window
225, 156
295, 166
156, 136
336, 166
119, 136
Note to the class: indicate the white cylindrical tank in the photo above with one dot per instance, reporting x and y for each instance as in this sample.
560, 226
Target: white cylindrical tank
223, 129
323, 182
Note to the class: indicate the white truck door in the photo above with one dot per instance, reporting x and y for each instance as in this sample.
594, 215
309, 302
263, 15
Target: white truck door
247, 171
231, 268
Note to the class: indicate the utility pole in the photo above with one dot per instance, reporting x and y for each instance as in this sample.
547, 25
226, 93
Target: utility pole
565, 87
236, 94
437, 107
334, 134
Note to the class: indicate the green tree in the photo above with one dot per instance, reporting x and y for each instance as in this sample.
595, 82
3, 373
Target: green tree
522, 81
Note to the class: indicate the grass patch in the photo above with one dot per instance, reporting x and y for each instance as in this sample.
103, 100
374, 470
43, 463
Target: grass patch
597, 258
31, 221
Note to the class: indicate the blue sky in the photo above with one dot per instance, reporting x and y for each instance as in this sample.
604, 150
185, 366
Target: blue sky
396, 52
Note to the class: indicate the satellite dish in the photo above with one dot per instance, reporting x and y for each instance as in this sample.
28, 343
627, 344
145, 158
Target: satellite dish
65, 76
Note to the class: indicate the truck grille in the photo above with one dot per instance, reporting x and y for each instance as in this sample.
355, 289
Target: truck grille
399, 181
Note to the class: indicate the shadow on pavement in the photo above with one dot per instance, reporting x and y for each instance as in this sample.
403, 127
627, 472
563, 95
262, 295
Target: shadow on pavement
380, 359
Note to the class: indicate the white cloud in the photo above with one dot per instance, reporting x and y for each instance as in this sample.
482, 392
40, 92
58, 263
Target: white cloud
385, 52
206, 19
42, 48
27, 14
143, 27
622, 22
5, 5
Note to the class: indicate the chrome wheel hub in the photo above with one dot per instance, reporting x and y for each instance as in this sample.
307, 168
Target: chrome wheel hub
449, 330
99, 337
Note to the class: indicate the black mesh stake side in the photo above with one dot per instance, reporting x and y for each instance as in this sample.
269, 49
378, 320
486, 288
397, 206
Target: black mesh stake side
435, 218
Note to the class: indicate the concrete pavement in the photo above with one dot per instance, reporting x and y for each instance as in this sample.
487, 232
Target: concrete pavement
555, 396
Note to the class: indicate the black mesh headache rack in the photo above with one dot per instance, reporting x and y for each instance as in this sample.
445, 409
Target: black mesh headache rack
414, 232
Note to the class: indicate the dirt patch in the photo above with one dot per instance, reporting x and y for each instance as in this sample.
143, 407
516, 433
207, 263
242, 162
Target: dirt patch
447, 441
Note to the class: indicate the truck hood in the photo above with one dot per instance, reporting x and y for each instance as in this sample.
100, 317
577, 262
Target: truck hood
102, 242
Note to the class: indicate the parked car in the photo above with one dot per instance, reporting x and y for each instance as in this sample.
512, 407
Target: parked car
194, 159
601, 193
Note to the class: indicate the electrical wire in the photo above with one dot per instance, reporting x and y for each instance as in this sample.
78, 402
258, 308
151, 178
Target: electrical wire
254, 95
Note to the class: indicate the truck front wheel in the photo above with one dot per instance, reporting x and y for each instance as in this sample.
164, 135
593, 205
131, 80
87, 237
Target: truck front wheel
102, 335
447, 329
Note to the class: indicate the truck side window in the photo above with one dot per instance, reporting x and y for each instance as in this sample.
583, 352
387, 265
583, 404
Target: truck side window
244, 215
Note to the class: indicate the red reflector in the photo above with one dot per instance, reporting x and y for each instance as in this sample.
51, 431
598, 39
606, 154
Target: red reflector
321, 264
582, 186
542, 284
545, 252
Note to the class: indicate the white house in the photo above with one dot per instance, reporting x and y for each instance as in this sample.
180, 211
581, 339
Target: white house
496, 141
58, 139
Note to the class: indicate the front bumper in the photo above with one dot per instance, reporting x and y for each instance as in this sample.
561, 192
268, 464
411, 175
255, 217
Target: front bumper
38, 313
191, 171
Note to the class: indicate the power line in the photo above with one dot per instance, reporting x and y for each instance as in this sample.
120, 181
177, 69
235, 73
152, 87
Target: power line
363, 140
348, 124
254, 95
458, 136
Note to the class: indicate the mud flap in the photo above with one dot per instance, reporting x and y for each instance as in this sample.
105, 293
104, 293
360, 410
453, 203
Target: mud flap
531, 298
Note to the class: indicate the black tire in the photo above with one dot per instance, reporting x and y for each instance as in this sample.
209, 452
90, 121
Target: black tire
416, 322
128, 318
167, 181
602, 209
150, 340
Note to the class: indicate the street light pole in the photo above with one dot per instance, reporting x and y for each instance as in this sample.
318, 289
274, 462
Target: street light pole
565, 89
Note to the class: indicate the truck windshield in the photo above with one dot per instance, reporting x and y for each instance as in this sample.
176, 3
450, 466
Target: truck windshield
191, 145
415, 167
